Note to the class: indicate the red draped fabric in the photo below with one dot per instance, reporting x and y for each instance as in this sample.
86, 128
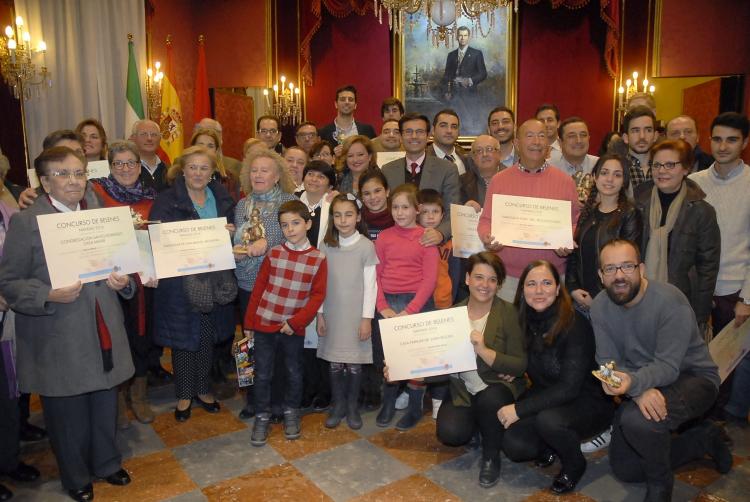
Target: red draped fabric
312, 14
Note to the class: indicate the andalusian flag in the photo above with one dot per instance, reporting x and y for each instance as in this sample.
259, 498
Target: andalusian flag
170, 121
134, 105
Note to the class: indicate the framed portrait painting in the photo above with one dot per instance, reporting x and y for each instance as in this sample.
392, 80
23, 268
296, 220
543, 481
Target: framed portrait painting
471, 70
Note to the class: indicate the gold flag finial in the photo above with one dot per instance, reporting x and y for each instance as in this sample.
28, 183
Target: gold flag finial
169, 39
201, 39
130, 37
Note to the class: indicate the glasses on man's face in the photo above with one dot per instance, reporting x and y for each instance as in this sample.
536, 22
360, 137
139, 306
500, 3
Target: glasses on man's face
306, 135
122, 164
145, 134
655, 166
627, 269
75, 175
415, 132
482, 151
268, 132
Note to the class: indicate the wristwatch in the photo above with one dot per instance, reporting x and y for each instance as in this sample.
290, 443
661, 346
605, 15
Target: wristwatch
746, 301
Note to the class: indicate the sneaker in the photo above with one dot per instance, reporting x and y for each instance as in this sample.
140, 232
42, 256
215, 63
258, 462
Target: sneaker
402, 402
436, 407
291, 424
598, 442
260, 430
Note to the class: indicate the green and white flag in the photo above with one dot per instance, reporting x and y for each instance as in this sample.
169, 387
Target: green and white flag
134, 101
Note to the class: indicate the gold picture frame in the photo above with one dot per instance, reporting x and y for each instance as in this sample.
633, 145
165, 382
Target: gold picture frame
502, 55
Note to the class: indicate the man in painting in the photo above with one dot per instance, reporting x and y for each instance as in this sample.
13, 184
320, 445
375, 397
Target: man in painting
464, 68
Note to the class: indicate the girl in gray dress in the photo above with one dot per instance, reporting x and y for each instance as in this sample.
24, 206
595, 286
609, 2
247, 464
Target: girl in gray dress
344, 324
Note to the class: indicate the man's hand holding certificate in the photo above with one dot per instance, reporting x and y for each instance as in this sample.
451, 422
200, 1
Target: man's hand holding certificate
531, 223
428, 344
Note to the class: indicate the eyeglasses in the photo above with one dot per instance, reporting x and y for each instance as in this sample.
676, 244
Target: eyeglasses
75, 176
304, 135
415, 132
267, 132
145, 134
488, 150
666, 165
122, 164
627, 268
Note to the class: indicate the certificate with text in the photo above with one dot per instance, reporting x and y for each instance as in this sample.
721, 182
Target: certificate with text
531, 222
428, 344
147, 272
729, 347
464, 222
88, 245
191, 247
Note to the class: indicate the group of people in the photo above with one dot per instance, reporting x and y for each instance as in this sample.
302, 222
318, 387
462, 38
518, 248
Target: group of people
327, 243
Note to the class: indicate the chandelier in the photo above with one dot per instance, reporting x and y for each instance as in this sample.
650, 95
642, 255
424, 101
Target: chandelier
442, 16
285, 102
16, 62
154, 76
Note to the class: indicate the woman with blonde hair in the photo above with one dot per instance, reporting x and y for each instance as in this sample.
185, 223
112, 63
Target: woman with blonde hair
356, 157
210, 139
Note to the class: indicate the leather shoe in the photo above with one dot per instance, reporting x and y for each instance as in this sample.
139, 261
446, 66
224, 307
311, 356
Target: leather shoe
182, 415
489, 472
564, 483
213, 407
119, 478
546, 459
82, 494
30, 432
23, 473
5, 494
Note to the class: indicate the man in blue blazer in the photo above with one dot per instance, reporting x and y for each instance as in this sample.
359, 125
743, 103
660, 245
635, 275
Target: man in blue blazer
464, 68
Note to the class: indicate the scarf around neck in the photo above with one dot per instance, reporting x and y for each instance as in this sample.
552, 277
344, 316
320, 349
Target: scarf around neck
123, 194
658, 242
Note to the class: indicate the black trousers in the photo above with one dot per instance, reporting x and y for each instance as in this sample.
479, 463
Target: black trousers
81, 430
316, 377
9, 424
645, 450
140, 345
456, 424
559, 429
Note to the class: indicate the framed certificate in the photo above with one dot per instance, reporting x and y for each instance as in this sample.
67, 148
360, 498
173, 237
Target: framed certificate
88, 245
191, 247
428, 344
531, 223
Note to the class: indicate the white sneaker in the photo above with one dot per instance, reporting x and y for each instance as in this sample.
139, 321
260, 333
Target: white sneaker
436, 407
402, 402
598, 442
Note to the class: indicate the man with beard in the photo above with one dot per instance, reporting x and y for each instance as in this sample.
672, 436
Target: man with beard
501, 124
668, 378
639, 133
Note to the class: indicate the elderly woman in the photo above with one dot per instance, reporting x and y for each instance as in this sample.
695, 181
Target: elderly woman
264, 177
211, 141
123, 187
194, 311
681, 242
83, 356
94, 139
565, 403
356, 158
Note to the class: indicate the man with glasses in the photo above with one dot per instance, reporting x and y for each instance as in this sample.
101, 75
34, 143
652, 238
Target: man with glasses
147, 136
485, 156
667, 377
424, 171
306, 136
267, 130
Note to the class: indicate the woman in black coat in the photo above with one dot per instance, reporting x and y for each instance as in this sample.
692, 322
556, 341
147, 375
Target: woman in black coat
681, 239
607, 214
565, 402
194, 312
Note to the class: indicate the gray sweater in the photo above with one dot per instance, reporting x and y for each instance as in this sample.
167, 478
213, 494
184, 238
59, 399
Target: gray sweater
654, 341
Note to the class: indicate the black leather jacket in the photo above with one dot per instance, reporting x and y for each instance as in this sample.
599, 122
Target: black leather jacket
694, 246
629, 227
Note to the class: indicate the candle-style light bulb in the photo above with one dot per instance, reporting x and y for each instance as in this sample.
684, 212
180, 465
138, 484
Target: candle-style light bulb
621, 90
149, 73
291, 86
9, 32
159, 76
635, 76
296, 90
19, 21
645, 83
26, 36
275, 88
157, 65
283, 79
42, 47
651, 89
628, 82
12, 44
265, 92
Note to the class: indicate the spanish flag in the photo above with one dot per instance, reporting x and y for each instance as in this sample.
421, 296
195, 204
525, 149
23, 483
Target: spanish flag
170, 120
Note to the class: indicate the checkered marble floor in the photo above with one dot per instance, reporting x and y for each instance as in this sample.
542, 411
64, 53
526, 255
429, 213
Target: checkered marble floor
209, 457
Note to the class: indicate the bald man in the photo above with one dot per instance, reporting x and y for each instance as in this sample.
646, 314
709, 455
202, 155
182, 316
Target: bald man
533, 177
146, 135
684, 127
485, 163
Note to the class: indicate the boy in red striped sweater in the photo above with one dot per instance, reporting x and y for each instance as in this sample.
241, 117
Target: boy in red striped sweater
290, 288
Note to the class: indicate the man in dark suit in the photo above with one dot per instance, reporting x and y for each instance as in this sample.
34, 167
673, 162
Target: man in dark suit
683, 127
344, 124
464, 68
446, 127
425, 172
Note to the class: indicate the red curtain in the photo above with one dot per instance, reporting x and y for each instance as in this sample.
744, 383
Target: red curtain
311, 19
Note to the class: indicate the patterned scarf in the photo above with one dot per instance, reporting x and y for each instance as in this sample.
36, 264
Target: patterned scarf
123, 194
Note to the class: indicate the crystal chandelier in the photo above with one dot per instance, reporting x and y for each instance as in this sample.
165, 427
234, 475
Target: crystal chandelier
16, 62
442, 15
285, 102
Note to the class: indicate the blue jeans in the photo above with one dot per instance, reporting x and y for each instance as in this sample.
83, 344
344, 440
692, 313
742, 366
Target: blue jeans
266, 347
739, 399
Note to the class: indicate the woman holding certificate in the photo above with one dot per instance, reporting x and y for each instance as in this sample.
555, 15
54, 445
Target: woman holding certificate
501, 360
607, 214
194, 312
565, 402
123, 187
72, 348
681, 241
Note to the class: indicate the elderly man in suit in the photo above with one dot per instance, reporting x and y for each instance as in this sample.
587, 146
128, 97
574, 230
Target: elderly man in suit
425, 172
